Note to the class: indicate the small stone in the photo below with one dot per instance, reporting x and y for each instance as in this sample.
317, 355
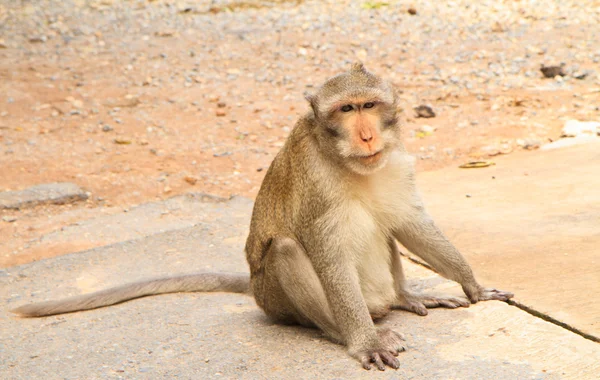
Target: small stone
529, 143
553, 71
424, 111
581, 75
224, 154
9, 219
106, 128
412, 11
497, 27
191, 179
128, 101
220, 113
427, 129
38, 39
221, 104
3, 44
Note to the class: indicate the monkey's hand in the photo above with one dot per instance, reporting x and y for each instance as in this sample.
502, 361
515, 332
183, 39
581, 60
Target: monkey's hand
384, 352
478, 293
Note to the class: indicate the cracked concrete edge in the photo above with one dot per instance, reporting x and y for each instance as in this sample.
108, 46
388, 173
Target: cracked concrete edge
48, 193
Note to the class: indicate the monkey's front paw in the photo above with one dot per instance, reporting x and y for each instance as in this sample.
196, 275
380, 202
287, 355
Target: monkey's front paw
480, 293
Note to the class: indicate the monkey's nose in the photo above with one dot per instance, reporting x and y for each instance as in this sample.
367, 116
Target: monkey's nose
366, 135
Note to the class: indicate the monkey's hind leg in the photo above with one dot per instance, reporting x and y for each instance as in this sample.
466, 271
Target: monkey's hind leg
414, 302
292, 287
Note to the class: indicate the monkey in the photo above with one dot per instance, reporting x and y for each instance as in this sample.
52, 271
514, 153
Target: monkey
322, 245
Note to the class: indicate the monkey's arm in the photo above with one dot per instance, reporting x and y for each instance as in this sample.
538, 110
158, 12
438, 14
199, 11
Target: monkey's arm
423, 238
342, 288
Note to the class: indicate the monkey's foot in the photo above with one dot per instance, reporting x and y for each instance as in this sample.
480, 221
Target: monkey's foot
419, 303
389, 346
479, 293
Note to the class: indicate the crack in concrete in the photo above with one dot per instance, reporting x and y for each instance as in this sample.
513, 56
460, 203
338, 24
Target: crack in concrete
527, 309
555, 321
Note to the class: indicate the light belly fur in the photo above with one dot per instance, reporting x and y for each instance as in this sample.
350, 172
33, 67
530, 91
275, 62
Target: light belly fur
374, 271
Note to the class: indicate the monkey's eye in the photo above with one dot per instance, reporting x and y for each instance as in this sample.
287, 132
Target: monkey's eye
347, 108
369, 105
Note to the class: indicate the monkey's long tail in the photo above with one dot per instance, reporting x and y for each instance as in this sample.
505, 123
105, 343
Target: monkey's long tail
200, 282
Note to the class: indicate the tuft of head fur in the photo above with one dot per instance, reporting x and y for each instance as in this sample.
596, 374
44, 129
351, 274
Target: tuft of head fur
355, 83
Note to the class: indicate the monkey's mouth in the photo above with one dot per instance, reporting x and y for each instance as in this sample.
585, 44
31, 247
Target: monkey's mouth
372, 158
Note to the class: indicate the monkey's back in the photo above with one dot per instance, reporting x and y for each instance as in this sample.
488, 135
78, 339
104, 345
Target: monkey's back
289, 198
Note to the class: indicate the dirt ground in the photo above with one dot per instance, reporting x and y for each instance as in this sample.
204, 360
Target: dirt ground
142, 100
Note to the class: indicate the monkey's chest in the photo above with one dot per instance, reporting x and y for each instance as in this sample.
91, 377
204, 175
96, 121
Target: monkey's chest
369, 250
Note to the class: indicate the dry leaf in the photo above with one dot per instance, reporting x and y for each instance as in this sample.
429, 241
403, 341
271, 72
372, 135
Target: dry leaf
477, 164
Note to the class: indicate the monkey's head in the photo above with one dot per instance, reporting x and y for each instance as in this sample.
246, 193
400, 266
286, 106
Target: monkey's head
356, 120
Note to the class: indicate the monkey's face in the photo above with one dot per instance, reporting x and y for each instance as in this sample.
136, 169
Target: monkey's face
362, 131
355, 113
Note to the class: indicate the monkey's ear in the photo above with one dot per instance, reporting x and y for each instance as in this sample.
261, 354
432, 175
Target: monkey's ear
358, 67
312, 100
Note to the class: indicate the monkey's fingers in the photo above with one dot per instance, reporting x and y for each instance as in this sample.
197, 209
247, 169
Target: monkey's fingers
495, 294
378, 362
390, 360
380, 358
365, 360
487, 294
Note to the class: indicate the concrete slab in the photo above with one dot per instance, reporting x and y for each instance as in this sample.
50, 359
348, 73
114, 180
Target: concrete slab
135, 223
529, 224
202, 336
140, 221
47, 193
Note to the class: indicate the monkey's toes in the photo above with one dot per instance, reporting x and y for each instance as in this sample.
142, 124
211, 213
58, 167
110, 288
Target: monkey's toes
444, 301
411, 305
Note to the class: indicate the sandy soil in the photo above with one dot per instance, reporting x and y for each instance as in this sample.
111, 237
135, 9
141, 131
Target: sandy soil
142, 100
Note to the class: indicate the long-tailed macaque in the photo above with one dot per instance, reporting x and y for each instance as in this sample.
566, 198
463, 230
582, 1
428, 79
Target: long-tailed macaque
322, 243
